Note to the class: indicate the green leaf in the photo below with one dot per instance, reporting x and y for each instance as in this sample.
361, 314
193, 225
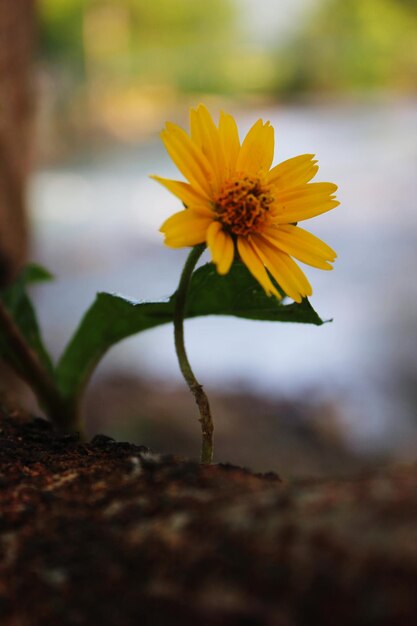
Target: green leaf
240, 295
112, 318
18, 304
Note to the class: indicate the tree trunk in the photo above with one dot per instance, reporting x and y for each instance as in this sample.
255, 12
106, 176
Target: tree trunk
16, 46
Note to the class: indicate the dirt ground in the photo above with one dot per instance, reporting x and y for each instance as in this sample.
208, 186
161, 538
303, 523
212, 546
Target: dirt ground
107, 533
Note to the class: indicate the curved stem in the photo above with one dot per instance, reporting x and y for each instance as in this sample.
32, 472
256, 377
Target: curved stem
185, 367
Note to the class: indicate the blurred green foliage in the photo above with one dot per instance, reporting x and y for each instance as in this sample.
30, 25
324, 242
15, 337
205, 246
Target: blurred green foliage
184, 43
336, 46
351, 45
60, 27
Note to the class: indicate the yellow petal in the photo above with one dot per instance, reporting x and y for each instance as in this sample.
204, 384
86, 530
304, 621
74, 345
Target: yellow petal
257, 149
216, 241
206, 135
186, 228
285, 271
221, 247
189, 159
298, 215
186, 239
304, 202
185, 192
256, 267
224, 264
185, 221
307, 191
229, 139
293, 172
301, 244
212, 232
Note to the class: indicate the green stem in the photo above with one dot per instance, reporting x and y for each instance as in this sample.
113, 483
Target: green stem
60, 411
185, 367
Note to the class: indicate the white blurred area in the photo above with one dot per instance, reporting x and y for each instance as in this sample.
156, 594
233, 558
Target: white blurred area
96, 221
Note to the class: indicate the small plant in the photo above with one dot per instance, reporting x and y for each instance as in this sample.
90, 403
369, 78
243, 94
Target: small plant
235, 204
241, 208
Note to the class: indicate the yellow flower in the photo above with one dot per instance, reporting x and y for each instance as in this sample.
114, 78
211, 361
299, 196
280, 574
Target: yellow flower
235, 201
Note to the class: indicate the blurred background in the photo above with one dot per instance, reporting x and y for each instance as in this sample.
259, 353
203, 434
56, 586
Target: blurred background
91, 83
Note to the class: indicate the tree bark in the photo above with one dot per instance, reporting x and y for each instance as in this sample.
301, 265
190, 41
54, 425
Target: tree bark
17, 18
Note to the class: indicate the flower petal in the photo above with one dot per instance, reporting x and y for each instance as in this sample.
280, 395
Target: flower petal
186, 240
301, 244
285, 271
293, 172
221, 247
189, 159
229, 139
185, 228
312, 189
205, 133
185, 192
304, 202
256, 267
224, 264
257, 149
212, 232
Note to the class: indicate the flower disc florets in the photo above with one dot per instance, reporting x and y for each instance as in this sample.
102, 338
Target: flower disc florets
243, 204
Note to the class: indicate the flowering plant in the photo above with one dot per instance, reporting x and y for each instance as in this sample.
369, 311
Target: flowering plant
241, 208
235, 204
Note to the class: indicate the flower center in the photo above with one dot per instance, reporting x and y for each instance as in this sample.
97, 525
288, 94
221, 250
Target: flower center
243, 204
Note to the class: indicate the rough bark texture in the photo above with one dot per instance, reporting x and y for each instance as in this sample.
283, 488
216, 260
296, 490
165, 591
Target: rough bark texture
108, 533
16, 47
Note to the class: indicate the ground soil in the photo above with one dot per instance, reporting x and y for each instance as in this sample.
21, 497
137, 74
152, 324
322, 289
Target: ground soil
108, 533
